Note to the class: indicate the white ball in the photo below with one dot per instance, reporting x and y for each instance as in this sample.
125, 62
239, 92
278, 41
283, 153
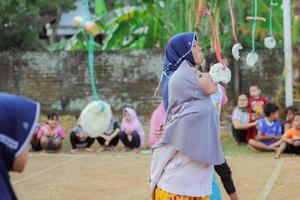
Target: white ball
251, 59
95, 118
235, 51
270, 42
219, 74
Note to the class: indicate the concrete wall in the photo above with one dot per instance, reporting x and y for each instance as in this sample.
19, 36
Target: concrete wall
60, 81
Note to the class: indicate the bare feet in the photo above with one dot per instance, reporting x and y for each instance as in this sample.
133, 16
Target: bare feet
277, 156
125, 149
73, 151
136, 150
101, 149
89, 150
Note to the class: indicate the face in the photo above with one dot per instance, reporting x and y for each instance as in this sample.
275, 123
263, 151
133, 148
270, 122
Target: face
289, 115
296, 122
127, 117
53, 122
197, 53
242, 101
275, 115
254, 91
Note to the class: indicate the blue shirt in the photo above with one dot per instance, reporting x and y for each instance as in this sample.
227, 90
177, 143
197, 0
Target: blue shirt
267, 128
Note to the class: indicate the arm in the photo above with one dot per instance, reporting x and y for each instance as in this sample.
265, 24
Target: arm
239, 126
261, 136
115, 133
206, 83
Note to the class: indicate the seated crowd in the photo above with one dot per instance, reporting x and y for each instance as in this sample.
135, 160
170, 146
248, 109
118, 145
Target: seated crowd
255, 122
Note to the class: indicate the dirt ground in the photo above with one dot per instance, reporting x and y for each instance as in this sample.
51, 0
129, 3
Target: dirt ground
124, 176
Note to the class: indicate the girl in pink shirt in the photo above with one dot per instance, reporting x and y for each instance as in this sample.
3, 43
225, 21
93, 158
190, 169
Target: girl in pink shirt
51, 134
132, 132
156, 124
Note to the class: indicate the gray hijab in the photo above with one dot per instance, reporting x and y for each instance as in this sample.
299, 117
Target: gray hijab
192, 124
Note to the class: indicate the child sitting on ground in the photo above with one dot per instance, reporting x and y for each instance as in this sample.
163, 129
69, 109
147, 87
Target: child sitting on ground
256, 106
110, 137
290, 141
269, 130
132, 132
79, 139
290, 113
51, 134
241, 120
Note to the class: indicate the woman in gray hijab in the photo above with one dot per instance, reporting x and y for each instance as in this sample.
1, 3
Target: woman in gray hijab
183, 160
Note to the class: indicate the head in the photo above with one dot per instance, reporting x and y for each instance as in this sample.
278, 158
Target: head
126, 116
254, 91
52, 119
212, 59
272, 111
242, 101
179, 48
290, 113
19, 117
296, 120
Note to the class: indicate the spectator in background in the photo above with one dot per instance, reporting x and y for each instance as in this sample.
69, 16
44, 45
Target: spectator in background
290, 141
110, 137
51, 134
79, 138
132, 132
269, 130
241, 120
289, 113
256, 106
156, 123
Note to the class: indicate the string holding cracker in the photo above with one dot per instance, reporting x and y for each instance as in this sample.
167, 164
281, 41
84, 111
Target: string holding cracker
218, 72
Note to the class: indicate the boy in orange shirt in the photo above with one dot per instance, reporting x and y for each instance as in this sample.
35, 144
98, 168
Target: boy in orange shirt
291, 139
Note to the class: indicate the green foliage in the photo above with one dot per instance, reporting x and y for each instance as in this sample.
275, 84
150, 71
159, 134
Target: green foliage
19, 21
135, 24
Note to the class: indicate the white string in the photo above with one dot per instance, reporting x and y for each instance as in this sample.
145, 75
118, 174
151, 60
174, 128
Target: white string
157, 88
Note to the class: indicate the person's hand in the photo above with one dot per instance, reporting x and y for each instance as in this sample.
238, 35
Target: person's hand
276, 137
157, 135
296, 143
107, 140
128, 131
48, 133
289, 141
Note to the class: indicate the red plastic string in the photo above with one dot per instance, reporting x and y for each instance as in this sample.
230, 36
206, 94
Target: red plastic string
214, 30
233, 21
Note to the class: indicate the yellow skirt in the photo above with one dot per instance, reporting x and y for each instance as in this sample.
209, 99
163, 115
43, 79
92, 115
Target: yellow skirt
163, 195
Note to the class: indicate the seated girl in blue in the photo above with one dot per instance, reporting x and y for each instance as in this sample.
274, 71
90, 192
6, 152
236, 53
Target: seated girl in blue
18, 117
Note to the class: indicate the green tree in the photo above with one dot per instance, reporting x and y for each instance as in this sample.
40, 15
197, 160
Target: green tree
21, 21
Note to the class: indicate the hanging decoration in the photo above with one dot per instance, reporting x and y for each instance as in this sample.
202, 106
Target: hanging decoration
270, 41
237, 46
252, 57
96, 116
218, 72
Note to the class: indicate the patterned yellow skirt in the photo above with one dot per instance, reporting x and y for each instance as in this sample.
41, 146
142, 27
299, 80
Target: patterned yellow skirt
163, 195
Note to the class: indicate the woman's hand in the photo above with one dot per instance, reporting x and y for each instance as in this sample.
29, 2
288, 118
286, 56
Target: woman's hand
206, 82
